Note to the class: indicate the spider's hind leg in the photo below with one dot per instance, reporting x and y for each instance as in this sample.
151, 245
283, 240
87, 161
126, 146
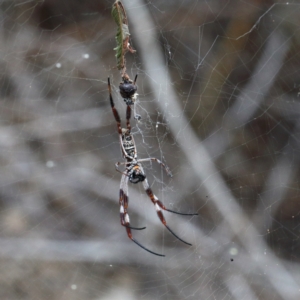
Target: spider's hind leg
123, 201
158, 206
129, 234
124, 215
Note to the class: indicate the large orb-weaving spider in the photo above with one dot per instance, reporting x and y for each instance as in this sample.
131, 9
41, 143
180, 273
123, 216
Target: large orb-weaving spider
134, 172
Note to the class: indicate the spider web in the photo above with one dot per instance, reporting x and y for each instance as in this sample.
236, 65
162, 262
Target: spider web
218, 86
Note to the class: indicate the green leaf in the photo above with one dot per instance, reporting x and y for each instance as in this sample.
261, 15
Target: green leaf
122, 37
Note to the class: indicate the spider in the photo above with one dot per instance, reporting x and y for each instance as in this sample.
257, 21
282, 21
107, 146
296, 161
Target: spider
128, 90
134, 172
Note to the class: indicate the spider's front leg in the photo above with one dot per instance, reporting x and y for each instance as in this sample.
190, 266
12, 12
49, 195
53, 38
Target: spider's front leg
114, 110
128, 116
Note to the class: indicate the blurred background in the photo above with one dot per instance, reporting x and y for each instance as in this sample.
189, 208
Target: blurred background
218, 84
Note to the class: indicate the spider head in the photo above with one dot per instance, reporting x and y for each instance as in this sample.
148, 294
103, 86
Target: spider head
127, 90
136, 175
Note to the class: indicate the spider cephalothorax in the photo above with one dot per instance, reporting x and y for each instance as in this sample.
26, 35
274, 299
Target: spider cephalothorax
128, 89
134, 172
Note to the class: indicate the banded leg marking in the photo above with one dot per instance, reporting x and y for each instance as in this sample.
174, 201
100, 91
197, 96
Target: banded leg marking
158, 207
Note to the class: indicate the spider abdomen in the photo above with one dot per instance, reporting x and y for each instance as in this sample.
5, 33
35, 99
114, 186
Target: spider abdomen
127, 90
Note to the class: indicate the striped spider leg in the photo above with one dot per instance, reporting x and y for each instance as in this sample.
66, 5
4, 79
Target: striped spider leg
159, 207
134, 173
125, 221
123, 201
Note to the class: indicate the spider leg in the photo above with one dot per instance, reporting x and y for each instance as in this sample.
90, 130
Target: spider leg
115, 112
123, 201
135, 241
117, 164
136, 116
124, 215
169, 173
128, 116
158, 206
